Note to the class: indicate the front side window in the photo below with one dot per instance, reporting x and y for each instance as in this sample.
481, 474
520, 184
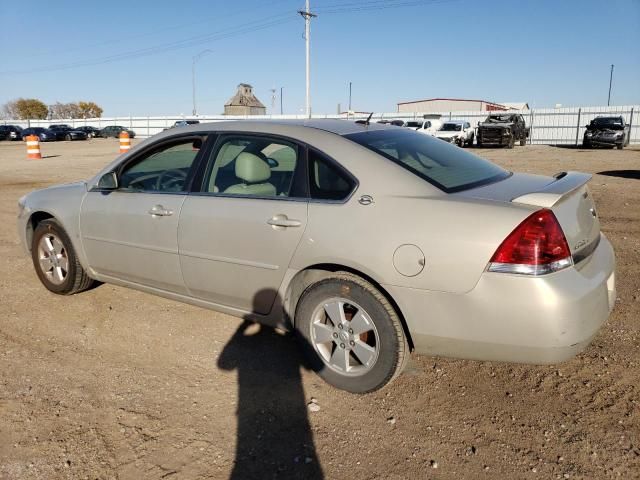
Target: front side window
165, 169
448, 167
253, 166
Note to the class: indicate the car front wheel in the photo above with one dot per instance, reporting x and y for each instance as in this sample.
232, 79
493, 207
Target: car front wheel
351, 333
55, 260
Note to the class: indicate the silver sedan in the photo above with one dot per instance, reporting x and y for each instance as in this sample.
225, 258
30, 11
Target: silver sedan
368, 241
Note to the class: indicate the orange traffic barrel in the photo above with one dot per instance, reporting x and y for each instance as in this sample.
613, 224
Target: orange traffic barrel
125, 142
33, 147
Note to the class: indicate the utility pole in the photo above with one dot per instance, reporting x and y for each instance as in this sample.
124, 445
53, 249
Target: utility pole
306, 13
273, 100
610, 81
349, 96
281, 100
194, 59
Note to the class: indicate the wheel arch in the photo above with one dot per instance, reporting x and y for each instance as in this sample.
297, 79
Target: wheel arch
33, 221
314, 273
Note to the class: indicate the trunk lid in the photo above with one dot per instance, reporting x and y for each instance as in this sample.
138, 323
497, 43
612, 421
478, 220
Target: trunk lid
566, 194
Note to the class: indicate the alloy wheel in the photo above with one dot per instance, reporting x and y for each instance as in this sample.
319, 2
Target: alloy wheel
53, 259
345, 337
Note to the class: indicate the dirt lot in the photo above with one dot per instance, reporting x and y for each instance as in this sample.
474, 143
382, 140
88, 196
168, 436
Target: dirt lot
113, 383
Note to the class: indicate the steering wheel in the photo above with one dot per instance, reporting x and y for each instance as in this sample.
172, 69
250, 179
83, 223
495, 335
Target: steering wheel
169, 178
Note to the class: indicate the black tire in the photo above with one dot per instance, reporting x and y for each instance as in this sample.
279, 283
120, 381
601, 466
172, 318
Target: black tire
478, 143
523, 142
471, 140
76, 279
512, 142
620, 146
67, 137
392, 346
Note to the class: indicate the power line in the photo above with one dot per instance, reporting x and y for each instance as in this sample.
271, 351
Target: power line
375, 5
249, 27
156, 31
222, 34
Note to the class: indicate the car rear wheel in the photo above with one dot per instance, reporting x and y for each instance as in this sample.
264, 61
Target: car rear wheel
55, 260
352, 333
620, 146
523, 142
67, 137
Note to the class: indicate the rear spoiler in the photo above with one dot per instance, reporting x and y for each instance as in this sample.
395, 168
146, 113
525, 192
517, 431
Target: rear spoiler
548, 196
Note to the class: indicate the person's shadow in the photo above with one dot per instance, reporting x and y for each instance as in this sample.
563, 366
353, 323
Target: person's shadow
274, 438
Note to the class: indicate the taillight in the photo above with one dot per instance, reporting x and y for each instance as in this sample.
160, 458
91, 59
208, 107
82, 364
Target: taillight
537, 246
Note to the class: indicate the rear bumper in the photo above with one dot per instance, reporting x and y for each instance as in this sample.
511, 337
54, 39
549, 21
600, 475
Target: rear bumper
513, 318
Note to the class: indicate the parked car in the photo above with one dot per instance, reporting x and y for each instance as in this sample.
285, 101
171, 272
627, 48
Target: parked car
90, 131
368, 240
456, 131
606, 131
503, 129
43, 134
114, 131
395, 123
65, 132
10, 132
183, 123
428, 126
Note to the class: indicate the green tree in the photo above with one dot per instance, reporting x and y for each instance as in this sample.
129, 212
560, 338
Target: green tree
89, 110
29, 108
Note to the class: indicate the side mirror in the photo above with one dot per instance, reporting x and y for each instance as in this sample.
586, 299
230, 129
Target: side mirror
109, 181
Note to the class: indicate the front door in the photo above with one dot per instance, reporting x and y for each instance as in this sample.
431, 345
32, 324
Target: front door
237, 236
131, 233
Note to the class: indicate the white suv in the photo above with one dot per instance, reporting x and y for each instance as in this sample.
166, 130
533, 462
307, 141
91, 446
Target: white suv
429, 126
456, 131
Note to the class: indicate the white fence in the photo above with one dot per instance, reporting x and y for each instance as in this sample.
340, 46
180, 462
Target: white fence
551, 126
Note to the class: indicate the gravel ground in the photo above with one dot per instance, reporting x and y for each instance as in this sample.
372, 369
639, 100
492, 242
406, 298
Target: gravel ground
114, 383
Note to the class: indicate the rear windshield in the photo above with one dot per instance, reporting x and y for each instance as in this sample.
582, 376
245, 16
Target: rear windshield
446, 166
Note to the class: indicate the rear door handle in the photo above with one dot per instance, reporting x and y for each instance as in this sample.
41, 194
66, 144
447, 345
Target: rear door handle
160, 211
283, 221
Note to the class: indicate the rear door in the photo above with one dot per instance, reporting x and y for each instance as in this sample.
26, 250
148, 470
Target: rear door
131, 233
239, 233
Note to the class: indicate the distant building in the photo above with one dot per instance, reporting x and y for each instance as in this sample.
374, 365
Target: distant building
516, 105
244, 102
456, 105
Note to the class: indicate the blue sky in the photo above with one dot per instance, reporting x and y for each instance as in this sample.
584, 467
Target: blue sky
539, 51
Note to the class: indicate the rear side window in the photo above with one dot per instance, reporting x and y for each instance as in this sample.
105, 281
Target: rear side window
326, 181
446, 166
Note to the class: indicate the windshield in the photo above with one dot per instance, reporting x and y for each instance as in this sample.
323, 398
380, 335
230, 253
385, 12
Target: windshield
614, 123
451, 127
448, 167
414, 124
499, 118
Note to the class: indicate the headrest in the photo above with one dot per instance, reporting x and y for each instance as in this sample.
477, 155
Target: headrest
251, 168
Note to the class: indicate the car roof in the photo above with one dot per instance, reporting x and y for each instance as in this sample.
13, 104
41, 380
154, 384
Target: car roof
336, 126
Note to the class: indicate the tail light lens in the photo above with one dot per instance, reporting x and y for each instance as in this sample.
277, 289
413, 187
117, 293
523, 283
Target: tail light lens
536, 247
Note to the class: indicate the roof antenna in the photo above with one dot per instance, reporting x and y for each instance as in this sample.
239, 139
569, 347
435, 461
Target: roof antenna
367, 121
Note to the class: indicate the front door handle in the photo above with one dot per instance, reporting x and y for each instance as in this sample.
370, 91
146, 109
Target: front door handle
283, 221
160, 211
